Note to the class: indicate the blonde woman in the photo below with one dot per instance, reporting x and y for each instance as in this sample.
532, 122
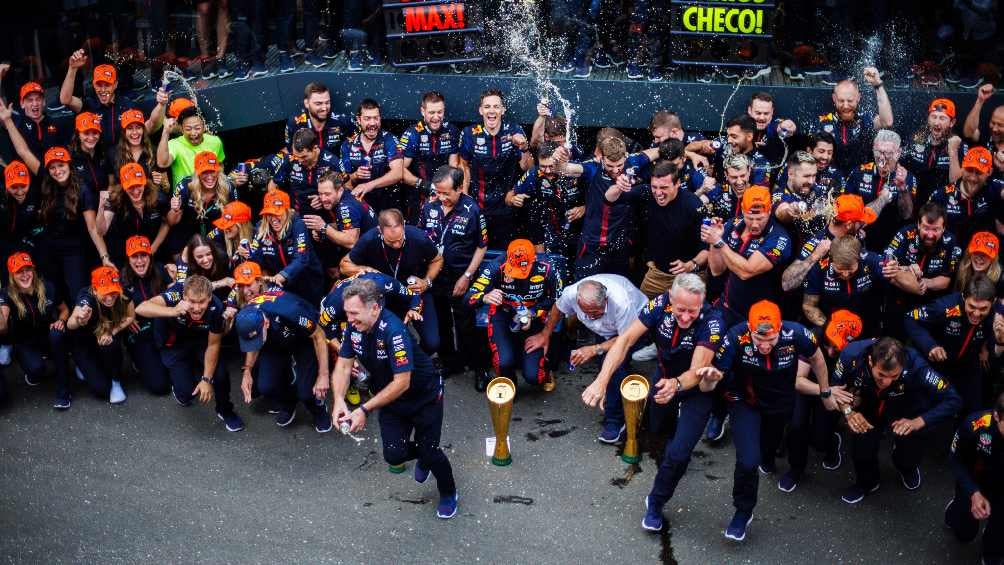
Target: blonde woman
283, 248
33, 320
232, 228
980, 257
198, 200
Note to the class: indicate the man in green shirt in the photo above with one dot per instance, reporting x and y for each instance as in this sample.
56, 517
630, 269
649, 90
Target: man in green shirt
179, 153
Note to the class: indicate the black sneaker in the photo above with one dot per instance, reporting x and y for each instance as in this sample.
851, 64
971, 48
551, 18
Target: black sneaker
286, 64
63, 401
223, 69
706, 75
766, 469
481, 379
601, 60
30, 380
715, 429
182, 401
322, 421
910, 479
284, 417
788, 482
833, 458
856, 494
231, 420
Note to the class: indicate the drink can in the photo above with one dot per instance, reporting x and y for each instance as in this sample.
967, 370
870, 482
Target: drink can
241, 168
706, 222
716, 145
412, 280
245, 244
344, 427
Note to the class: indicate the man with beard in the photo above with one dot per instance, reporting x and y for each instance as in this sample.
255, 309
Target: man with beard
371, 159
801, 204
738, 140
39, 130
724, 200
771, 132
330, 128
850, 216
928, 157
425, 147
851, 129
968, 203
302, 168
993, 137
337, 222
492, 155
553, 200
820, 146
882, 182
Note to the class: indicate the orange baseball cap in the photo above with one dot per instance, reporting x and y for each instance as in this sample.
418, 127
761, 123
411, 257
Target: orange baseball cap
519, 258
132, 174
88, 121
851, 208
234, 213
105, 280
247, 272
177, 106
31, 88
765, 312
276, 203
18, 261
979, 158
206, 162
986, 243
106, 74
132, 116
844, 326
756, 197
942, 105
138, 244
16, 174
56, 154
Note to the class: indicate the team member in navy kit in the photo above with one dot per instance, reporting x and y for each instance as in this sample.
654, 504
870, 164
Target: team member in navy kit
189, 330
279, 334
895, 390
373, 162
330, 128
336, 221
32, 320
283, 247
853, 129
977, 462
953, 332
405, 388
519, 290
425, 147
969, 202
39, 130
552, 201
407, 254
302, 168
402, 302
738, 140
143, 279
456, 225
19, 211
492, 155
886, 187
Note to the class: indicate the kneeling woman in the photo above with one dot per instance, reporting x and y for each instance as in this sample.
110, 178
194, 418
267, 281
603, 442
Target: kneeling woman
102, 312
34, 320
142, 279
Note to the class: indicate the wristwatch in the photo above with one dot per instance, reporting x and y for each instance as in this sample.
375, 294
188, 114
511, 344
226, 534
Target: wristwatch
428, 283
847, 410
206, 379
718, 244
468, 275
598, 350
825, 393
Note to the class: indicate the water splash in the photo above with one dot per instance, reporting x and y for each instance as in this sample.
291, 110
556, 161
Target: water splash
174, 80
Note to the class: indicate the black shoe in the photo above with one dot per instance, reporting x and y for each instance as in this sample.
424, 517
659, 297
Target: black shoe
481, 379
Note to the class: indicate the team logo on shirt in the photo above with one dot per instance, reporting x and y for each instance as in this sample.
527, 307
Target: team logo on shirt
982, 422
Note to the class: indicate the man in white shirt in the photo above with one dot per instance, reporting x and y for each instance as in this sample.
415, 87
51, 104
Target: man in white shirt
606, 305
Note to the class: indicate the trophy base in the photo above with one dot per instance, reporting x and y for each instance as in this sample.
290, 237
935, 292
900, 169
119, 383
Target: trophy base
501, 462
630, 458
397, 469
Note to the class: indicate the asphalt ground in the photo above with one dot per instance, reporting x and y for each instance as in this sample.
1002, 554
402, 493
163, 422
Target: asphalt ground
150, 481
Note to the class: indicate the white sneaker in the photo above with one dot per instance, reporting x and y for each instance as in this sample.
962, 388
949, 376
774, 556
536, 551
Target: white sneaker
645, 353
5, 355
117, 395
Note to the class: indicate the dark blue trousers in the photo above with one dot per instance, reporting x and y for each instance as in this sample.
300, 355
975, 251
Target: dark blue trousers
507, 349
966, 528
100, 364
425, 419
184, 366
286, 374
146, 357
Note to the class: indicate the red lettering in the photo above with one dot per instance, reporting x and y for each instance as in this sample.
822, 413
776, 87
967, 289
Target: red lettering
442, 17
415, 19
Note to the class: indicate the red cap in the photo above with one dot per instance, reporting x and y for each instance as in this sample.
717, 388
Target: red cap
105, 280
56, 154
131, 175
247, 272
763, 313
851, 208
519, 258
16, 174
942, 105
979, 158
138, 244
177, 106
206, 162
106, 74
986, 243
276, 203
844, 326
756, 197
18, 261
234, 213
88, 121
31, 88
132, 116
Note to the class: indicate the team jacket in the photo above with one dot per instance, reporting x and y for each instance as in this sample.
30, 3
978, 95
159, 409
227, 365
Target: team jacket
292, 257
182, 330
536, 292
291, 318
977, 455
336, 128
494, 164
946, 318
853, 138
300, 181
676, 345
397, 297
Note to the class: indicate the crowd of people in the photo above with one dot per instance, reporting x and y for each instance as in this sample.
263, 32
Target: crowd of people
804, 284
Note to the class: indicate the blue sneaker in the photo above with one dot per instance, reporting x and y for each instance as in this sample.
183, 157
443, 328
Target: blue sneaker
355, 61
583, 70
284, 417
911, 479
737, 527
447, 507
565, 66
63, 401
243, 73
421, 473
286, 64
611, 433
833, 458
322, 421
315, 60
788, 482
375, 59
231, 420
31, 381
209, 69
223, 70
716, 428
186, 402
654, 75
634, 71
653, 518
856, 494
258, 70
602, 60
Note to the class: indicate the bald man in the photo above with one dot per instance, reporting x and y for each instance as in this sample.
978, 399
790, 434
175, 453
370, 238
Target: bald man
971, 128
853, 130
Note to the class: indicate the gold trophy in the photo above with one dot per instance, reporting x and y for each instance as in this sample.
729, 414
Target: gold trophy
634, 392
501, 392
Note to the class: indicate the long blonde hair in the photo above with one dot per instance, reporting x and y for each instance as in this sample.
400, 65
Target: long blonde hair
265, 228
119, 310
966, 271
37, 288
195, 193
244, 231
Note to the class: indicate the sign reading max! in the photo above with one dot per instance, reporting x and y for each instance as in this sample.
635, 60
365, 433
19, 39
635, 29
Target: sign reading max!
422, 32
439, 17
722, 32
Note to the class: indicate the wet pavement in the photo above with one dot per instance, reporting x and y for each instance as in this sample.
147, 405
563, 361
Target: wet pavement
154, 482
